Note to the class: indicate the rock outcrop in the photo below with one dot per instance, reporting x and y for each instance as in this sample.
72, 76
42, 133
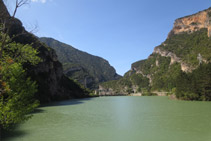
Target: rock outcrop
193, 23
102, 91
106, 92
184, 66
188, 24
52, 83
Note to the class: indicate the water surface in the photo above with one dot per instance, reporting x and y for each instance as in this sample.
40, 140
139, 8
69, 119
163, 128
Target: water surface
118, 119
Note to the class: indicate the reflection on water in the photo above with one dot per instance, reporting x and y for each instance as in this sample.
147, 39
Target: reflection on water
118, 119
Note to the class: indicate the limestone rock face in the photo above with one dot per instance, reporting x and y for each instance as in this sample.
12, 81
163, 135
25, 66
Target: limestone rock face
184, 66
188, 24
110, 92
106, 92
52, 83
193, 23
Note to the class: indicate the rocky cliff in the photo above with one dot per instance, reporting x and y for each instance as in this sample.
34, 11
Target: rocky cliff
87, 69
187, 46
174, 59
193, 23
52, 83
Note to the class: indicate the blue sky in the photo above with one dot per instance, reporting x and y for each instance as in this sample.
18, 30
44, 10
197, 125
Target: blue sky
121, 31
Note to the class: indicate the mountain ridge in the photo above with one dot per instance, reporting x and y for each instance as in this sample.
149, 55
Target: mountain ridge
87, 69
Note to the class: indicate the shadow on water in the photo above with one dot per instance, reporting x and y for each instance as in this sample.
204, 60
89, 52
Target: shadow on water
68, 102
11, 134
14, 133
38, 110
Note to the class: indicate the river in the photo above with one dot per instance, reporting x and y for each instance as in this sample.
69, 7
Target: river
123, 118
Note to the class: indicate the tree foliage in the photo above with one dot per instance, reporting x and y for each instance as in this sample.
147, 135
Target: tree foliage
16, 88
195, 85
188, 46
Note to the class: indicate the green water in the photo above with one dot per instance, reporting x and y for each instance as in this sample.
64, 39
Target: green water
119, 119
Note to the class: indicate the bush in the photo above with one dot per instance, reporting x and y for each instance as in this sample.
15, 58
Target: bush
16, 88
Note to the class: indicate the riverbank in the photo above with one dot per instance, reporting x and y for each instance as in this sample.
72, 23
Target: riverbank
172, 96
135, 94
154, 92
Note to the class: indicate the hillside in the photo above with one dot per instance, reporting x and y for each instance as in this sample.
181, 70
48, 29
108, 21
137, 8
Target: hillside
87, 69
177, 66
48, 74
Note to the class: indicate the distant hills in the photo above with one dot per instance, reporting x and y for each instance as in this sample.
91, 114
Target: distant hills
180, 66
87, 69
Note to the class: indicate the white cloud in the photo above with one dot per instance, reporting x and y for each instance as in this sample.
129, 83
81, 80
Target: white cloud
42, 1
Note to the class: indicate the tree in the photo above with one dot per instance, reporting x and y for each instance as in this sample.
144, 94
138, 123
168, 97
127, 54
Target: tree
195, 85
16, 88
18, 4
3, 38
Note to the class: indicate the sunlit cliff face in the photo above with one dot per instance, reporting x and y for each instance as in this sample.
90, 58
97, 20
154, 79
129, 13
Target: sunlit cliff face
193, 23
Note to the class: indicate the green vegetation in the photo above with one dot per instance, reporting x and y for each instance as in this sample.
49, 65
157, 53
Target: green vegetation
119, 86
209, 14
148, 93
169, 77
164, 80
124, 85
87, 69
187, 46
87, 91
149, 66
195, 85
16, 88
139, 80
163, 76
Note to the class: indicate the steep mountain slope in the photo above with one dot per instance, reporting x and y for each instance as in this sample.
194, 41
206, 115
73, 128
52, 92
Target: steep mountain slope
87, 69
52, 83
187, 50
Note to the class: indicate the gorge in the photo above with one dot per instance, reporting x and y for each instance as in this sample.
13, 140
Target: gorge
42, 70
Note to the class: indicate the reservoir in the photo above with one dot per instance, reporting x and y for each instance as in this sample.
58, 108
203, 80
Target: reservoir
124, 118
